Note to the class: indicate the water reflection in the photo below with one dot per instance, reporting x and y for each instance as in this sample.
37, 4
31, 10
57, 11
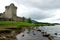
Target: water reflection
32, 35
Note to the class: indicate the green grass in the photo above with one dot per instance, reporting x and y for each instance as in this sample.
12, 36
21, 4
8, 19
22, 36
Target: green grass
13, 24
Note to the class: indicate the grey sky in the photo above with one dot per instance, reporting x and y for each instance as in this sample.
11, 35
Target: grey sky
39, 10
42, 4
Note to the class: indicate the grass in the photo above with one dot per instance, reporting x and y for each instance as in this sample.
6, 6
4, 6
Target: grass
13, 24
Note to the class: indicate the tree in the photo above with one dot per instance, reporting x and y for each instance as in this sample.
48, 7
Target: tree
29, 20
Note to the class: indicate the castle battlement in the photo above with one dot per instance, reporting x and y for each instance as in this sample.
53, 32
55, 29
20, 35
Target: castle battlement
11, 5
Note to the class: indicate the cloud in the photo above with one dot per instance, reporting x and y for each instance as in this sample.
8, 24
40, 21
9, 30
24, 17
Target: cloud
42, 4
4, 3
47, 10
36, 9
53, 19
35, 13
40, 10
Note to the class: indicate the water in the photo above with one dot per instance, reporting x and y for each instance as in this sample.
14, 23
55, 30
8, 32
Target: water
52, 30
32, 35
38, 36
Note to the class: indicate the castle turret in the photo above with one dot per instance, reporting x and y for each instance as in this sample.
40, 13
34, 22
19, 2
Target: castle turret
10, 11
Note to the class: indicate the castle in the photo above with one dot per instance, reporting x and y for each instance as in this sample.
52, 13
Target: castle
10, 14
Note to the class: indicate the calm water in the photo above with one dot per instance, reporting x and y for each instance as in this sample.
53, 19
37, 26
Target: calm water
52, 30
32, 35
38, 36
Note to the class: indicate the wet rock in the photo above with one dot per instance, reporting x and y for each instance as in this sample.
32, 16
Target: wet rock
47, 35
28, 32
34, 34
50, 37
39, 30
55, 33
23, 35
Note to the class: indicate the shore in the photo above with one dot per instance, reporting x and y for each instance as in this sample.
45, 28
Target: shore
11, 34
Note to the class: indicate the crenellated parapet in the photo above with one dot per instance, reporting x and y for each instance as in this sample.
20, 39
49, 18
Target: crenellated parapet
11, 5
6, 7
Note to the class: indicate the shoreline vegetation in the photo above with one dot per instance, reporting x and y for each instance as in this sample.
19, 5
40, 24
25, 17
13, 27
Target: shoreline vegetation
14, 24
7, 24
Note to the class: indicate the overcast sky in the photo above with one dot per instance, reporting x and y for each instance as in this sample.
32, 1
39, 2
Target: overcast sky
39, 10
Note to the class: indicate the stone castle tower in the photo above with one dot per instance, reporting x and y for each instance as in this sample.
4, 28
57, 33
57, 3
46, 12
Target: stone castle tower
10, 13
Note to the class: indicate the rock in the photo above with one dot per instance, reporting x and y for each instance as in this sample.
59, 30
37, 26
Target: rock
47, 35
23, 35
39, 30
55, 33
34, 34
28, 32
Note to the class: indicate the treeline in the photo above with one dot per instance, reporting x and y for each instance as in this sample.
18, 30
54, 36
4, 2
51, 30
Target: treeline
29, 20
44, 24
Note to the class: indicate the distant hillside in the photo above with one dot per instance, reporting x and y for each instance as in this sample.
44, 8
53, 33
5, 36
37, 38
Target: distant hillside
42, 23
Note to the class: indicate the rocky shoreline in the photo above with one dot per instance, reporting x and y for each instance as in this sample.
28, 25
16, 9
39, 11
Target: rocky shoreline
45, 34
5, 36
9, 34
